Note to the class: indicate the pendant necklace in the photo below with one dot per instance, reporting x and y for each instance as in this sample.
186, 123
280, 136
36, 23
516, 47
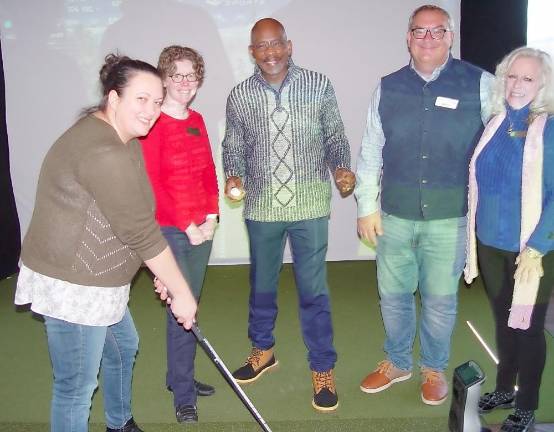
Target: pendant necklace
515, 133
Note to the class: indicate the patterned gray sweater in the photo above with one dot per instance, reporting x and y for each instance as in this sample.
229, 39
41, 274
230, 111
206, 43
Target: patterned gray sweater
283, 144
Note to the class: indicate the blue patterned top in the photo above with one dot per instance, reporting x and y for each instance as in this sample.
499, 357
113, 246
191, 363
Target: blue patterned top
498, 173
283, 142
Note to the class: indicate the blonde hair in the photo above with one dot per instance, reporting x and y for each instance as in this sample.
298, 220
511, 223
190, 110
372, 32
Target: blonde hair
543, 101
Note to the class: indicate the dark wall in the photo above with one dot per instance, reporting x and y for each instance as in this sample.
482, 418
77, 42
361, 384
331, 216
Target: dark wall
10, 243
490, 29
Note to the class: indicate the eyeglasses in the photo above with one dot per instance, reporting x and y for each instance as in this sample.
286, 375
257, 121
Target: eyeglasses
190, 77
436, 33
277, 44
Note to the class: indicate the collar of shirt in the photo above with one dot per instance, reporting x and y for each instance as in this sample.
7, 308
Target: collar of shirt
435, 73
517, 118
291, 73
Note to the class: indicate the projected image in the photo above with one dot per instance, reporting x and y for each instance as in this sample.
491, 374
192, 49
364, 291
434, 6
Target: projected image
67, 39
52, 51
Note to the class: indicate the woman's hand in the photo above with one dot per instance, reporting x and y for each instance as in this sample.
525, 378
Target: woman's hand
161, 289
208, 228
195, 234
170, 283
529, 266
184, 308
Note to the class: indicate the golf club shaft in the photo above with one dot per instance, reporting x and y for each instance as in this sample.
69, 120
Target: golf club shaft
229, 377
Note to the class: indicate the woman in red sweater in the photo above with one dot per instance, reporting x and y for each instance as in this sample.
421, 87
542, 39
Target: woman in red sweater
180, 166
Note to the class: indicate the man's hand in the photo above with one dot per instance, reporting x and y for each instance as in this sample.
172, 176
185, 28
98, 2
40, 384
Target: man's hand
345, 180
529, 266
233, 189
369, 227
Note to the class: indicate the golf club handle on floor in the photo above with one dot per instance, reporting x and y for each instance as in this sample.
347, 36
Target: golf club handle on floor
229, 377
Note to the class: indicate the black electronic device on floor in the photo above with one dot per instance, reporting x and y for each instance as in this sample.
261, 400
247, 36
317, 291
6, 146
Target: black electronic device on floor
466, 390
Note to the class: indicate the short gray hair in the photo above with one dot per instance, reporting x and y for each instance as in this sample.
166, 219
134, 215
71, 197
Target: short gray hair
544, 100
429, 7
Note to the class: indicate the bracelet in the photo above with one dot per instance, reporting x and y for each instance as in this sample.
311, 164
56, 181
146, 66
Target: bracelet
532, 253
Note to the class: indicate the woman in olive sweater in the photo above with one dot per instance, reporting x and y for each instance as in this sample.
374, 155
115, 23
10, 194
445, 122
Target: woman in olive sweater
92, 226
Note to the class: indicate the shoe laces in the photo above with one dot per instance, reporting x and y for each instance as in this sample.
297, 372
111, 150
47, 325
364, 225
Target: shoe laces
384, 367
255, 357
324, 380
186, 409
432, 376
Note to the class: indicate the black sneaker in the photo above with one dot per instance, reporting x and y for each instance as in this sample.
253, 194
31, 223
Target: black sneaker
517, 423
130, 426
325, 394
186, 414
203, 389
258, 362
496, 399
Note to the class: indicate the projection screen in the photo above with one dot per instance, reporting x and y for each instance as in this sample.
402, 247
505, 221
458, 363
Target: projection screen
52, 51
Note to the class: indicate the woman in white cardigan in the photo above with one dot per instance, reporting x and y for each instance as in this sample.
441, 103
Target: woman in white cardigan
511, 227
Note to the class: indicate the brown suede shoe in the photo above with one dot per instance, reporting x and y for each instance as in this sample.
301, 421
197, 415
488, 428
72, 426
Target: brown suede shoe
383, 377
325, 393
258, 362
434, 388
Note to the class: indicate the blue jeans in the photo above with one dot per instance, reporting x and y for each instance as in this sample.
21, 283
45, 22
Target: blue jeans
429, 255
76, 352
181, 344
308, 242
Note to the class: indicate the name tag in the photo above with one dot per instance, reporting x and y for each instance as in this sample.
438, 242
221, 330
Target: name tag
446, 102
193, 131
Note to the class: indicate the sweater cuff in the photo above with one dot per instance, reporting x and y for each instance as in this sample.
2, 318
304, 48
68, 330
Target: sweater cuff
538, 246
232, 174
339, 166
154, 250
367, 208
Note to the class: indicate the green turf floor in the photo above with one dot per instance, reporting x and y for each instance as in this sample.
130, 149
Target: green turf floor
282, 397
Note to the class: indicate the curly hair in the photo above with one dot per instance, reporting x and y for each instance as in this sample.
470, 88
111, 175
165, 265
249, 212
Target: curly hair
174, 53
544, 100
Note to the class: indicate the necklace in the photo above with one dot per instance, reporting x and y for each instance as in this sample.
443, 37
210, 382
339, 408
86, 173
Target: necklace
515, 133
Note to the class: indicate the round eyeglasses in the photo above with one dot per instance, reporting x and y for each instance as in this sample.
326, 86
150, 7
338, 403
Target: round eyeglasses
190, 77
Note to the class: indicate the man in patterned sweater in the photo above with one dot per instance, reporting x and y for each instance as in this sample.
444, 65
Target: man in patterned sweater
284, 133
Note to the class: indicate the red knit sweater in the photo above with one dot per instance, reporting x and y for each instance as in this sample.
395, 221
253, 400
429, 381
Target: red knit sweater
179, 162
